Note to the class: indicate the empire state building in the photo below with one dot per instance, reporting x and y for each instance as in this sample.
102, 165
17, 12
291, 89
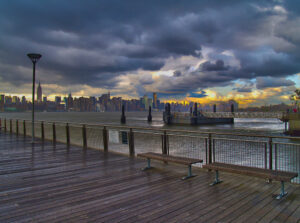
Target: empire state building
39, 93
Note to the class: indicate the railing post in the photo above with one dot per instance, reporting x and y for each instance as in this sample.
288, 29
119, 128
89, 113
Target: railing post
84, 141
10, 126
24, 128
206, 151
42, 131
131, 142
275, 156
5, 127
266, 155
213, 151
209, 149
165, 148
54, 133
17, 127
105, 139
68, 134
270, 154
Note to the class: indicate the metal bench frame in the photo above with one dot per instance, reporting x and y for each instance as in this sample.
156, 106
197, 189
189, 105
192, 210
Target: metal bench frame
218, 181
189, 175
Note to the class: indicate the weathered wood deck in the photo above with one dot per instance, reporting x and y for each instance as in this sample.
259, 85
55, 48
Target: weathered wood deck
47, 183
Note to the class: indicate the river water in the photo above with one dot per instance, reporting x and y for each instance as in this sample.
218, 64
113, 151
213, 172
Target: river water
262, 126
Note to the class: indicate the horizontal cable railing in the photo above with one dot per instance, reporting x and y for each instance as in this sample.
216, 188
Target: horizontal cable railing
269, 152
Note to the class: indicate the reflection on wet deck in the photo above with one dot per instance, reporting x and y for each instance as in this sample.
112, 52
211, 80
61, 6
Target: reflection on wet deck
49, 183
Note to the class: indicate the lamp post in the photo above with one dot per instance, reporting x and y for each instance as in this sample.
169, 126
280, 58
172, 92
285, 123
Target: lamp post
34, 57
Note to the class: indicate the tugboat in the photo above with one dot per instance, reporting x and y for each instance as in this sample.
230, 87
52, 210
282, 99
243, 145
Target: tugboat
192, 118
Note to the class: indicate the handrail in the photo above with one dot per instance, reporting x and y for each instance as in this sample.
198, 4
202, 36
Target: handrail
165, 129
268, 152
244, 140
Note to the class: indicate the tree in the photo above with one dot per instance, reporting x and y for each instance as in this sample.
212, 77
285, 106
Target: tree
296, 97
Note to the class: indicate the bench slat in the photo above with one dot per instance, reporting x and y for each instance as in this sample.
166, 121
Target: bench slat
252, 171
168, 158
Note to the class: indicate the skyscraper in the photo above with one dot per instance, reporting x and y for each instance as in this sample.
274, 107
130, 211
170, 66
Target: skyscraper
70, 102
145, 102
24, 100
154, 100
2, 98
39, 93
57, 99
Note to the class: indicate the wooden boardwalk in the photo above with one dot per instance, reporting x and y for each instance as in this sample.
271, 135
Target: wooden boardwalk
46, 183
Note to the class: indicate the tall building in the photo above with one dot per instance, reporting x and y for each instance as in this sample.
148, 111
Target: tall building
145, 102
2, 98
57, 99
39, 93
24, 100
154, 100
8, 100
70, 101
234, 104
15, 100
150, 103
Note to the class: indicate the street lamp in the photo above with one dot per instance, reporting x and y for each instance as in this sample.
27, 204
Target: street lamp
34, 57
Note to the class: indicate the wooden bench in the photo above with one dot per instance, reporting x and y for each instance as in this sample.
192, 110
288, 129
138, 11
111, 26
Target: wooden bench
253, 171
171, 159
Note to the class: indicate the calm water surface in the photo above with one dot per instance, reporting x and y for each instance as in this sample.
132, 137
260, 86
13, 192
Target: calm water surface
268, 126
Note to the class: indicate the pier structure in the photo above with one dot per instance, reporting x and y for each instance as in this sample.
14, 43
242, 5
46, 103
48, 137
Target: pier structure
193, 117
291, 120
278, 115
52, 181
123, 117
149, 118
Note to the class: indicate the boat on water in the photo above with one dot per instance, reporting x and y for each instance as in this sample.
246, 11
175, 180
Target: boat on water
191, 118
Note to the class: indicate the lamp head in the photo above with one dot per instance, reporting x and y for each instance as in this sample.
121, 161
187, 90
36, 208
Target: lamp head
34, 57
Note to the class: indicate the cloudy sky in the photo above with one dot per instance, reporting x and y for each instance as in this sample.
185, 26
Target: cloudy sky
196, 50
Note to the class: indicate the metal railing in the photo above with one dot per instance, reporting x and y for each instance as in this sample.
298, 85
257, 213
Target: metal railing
278, 115
270, 152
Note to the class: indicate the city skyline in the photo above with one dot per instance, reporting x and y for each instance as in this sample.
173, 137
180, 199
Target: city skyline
105, 102
200, 51
40, 97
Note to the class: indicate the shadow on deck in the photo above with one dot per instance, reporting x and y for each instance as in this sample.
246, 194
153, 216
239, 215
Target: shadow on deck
46, 183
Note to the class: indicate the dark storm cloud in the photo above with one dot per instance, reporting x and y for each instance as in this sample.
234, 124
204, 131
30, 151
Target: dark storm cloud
218, 66
177, 73
93, 42
202, 94
266, 82
193, 81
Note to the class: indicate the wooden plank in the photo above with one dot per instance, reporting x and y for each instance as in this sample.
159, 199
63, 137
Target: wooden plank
59, 184
280, 206
295, 216
258, 204
287, 212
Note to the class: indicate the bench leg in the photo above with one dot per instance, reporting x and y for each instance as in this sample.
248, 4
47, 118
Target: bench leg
217, 180
148, 165
282, 192
189, 173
